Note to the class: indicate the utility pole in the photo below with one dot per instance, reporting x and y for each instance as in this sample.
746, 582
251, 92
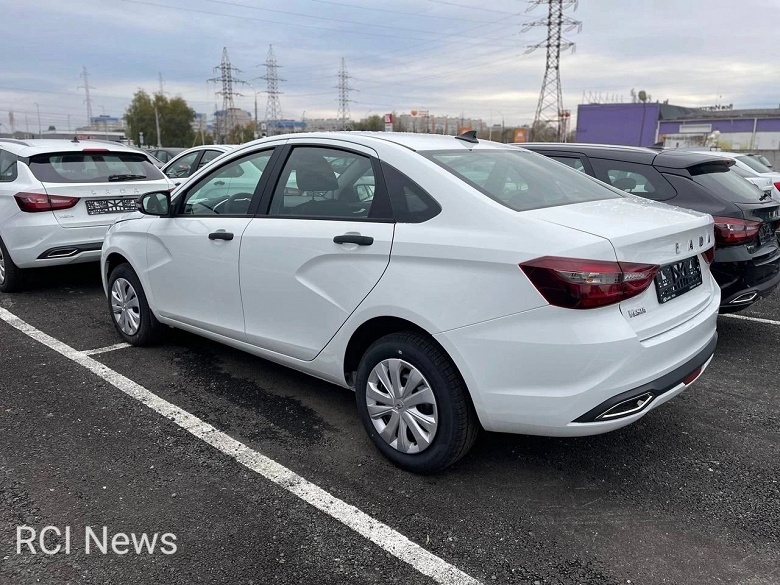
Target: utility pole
344, 90
38, 108
227, 121
157, 123
86, 87
273, 108
549, 110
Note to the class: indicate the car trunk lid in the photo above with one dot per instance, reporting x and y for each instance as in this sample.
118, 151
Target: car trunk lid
646, 232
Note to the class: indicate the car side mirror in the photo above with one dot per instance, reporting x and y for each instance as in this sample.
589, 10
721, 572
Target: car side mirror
155, 203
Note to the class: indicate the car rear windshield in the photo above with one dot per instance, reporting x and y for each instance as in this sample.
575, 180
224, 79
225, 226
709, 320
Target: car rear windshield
519, 179
93, 167
726, 184
754, 164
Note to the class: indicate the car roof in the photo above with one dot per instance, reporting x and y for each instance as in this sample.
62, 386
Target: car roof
675, 159
409, 140
26, 148
220, 147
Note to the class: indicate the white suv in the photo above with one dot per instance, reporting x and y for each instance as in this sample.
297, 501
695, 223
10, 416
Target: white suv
58, 197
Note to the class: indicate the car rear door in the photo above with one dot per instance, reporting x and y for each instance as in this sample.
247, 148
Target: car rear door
106, 183
321, 246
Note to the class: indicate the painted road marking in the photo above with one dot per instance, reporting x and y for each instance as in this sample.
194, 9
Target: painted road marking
106, 349
756, 319
377, 532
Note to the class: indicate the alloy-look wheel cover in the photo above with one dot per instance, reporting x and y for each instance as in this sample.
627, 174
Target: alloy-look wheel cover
402, 406
2, 267
125, 306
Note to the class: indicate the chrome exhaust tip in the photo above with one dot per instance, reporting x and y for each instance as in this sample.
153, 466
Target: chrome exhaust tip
748, 297
62, 253
627, 407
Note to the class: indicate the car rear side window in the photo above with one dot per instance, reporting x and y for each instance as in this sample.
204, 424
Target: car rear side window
570, 161
93, 167
7, 166
411, 203
325, 183
519, 179
634, 178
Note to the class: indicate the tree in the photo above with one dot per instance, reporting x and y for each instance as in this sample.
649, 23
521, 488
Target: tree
543, 131
175, 120
370, 124
241, 133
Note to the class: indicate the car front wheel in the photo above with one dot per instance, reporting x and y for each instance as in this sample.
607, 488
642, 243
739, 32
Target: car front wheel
414, 404
129, 309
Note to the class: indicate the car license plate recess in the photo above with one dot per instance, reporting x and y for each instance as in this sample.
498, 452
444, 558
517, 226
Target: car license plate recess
677, 278
101, 206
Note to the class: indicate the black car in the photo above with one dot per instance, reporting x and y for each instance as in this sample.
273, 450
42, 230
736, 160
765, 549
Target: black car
747, 253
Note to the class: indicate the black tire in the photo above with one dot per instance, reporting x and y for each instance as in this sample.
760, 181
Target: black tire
148, 328
11, 276
457, 424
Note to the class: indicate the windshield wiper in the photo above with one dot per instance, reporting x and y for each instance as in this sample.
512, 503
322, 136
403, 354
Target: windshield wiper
127, 177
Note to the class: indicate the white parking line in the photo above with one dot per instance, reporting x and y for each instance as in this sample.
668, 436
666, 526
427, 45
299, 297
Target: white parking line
380, 534
756, 319
106, 349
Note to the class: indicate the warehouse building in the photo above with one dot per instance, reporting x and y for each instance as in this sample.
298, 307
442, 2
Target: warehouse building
646, 124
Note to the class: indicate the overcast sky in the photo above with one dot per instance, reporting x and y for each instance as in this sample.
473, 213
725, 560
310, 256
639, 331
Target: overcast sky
454, 57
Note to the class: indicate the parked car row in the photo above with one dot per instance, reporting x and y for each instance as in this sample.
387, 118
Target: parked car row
747, 254
443, 279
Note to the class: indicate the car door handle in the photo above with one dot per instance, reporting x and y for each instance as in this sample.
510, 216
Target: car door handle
219, 183
221, 236
353, 239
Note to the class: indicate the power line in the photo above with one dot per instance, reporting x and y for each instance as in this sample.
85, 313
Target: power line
344, 90
87, 87
227, 120
549, 110
273, 108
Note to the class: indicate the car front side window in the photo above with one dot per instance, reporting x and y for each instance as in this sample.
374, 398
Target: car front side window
181, 168
228, 190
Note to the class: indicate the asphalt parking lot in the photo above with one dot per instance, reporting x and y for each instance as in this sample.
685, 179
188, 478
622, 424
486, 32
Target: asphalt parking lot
689, 494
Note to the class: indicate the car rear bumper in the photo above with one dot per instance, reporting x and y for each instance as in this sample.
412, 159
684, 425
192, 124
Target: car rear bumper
539, 373
37, 240
745, 278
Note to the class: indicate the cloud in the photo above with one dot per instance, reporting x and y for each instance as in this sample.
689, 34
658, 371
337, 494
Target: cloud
449, 57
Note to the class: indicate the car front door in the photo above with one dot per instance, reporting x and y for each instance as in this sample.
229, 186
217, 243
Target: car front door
193, 255
321, 247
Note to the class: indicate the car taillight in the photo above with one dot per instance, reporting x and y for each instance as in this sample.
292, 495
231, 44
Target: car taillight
777, 184
35, 202
729, 230
709, 255
573, 283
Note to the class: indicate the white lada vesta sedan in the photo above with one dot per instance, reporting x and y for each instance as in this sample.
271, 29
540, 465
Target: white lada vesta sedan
453, 283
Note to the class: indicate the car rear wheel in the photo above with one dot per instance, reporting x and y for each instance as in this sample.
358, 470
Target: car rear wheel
129, 309
414, 404
11, 276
